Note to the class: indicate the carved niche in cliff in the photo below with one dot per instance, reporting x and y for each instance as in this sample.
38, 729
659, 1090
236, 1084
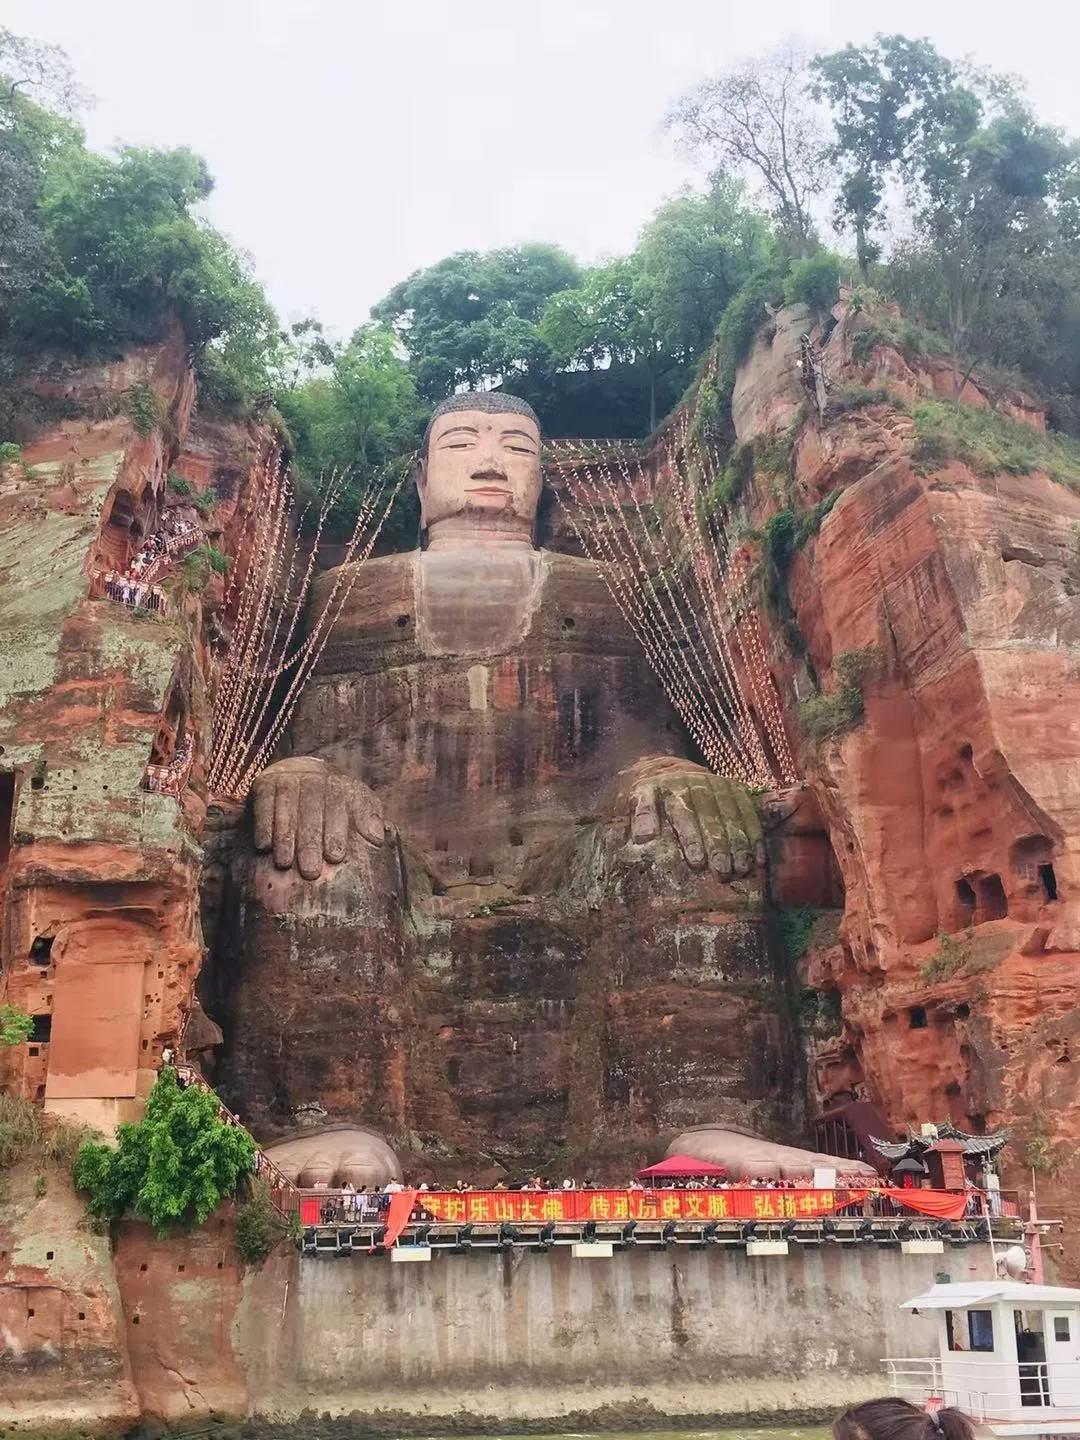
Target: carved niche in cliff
488, 903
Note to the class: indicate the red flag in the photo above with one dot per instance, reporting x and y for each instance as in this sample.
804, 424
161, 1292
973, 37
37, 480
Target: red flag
397, 1216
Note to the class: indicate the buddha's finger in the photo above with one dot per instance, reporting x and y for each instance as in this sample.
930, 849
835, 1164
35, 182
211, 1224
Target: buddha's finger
309, 827
711, 824
286, 802
680, 812
367, 816
335, 821
644, 814
263, 800
750, 820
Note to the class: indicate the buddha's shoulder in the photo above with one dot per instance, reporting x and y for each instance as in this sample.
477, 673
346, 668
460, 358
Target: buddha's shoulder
576, 608
372, 594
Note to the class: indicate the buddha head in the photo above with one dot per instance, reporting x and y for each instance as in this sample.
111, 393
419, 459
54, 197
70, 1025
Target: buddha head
479, 473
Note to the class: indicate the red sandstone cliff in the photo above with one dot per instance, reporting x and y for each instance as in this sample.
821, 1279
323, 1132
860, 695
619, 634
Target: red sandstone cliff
954, 802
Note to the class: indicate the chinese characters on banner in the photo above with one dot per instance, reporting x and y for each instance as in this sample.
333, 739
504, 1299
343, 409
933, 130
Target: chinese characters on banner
489, 1207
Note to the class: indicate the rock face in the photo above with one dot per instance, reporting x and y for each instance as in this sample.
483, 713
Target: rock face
953, 806
63, 1351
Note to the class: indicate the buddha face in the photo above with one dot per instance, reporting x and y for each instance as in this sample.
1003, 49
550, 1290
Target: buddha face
482, 465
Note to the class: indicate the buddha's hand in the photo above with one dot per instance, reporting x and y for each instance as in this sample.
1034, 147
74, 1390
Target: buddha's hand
306, 811
714, 820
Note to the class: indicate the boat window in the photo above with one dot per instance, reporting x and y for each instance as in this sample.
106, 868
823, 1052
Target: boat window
1061, 1327
969, 1329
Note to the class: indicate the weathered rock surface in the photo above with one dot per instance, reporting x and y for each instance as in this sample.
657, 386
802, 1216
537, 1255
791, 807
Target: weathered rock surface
63, 1349
955, 802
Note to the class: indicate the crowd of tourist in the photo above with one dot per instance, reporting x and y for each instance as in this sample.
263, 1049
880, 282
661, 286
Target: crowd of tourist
353, 1202
136, 587
167, 779
134, 593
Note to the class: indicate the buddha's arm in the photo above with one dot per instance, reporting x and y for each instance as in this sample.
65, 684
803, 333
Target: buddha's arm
306, 812
714, 819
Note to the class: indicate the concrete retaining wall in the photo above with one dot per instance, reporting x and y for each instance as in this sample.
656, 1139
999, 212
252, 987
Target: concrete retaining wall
525, 1336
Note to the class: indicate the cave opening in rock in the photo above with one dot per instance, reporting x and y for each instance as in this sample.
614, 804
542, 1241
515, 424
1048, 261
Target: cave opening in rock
41, 950
1049, 881
965, 898
917, 1017
42, 1031
7, 815
992, 902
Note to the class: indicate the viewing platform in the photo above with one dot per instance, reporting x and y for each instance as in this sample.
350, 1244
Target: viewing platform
603, 1223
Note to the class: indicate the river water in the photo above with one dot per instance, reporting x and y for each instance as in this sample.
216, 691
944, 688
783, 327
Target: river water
738, 1432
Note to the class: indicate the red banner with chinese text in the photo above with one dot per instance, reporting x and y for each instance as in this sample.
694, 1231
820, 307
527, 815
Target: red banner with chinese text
490, 1207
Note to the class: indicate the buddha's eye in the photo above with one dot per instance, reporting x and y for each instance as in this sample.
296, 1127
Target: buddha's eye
521, 450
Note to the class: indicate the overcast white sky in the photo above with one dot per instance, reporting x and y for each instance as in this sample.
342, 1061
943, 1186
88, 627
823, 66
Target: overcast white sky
355, 140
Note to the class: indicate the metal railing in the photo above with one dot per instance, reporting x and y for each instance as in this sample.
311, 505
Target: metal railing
988, 1388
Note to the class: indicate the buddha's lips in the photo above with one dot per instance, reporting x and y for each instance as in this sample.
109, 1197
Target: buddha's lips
488, 490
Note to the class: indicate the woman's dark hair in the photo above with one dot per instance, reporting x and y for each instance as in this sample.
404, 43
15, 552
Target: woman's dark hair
894, 1419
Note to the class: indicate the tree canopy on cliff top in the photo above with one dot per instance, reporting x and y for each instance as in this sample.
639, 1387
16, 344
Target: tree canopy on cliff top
959, 202
98, 252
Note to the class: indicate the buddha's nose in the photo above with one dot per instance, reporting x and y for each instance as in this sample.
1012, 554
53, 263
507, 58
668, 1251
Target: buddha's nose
489, 465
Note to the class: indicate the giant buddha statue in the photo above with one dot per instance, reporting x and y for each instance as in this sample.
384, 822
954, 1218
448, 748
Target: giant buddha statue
489, 903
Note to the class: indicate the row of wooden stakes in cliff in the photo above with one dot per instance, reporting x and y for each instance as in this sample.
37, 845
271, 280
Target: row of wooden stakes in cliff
267, 602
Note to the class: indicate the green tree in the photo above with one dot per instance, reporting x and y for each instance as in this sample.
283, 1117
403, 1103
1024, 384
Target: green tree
358, 412
471, 319
757, 120
889, 100
988, 187
607, 321
101, 251
32, 78
695, 254
174, 1167
15, 1025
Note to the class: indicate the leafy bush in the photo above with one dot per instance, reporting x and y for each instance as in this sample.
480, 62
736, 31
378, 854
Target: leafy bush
142, 408
257, 1225
15, 1025
20, 1129
26, 1134
857, 397
779, 533
814, 281
219, 562
771, 454
174, 1167
951, 956
914, 342
746, 314
10, 452
989, 443
855, 667
826, 715
796, 925
179, 484
822, 716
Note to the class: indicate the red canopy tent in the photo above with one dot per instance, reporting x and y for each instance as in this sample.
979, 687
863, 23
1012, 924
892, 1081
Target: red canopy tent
678, 1165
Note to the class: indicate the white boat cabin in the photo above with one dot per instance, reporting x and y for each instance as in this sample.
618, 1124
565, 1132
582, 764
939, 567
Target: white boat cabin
1008, 1355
